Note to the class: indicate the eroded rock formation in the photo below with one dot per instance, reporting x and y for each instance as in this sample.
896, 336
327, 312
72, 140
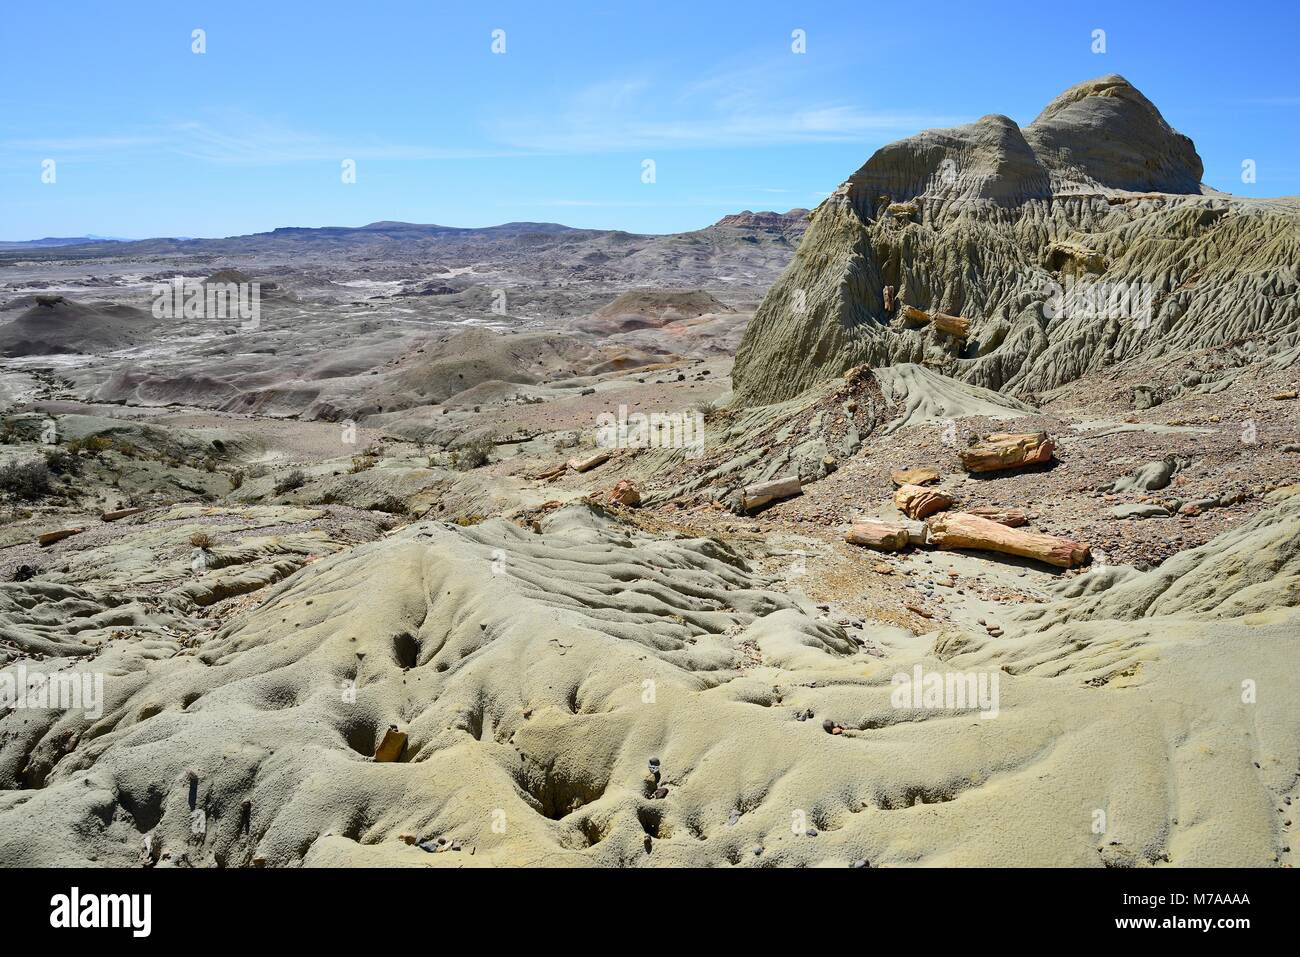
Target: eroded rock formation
1083, 240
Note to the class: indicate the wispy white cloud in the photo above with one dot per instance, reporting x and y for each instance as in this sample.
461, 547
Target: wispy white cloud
242, 140
752, 105
82, 145
248, 140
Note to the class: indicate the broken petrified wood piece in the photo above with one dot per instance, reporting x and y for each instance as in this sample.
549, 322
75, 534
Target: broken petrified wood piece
882, 536
1008, 450
914, 501
955, 326
1011, 517
392, 745
49, 538
590, 462
922, 475
625, 493
114, 515
760, 494
955, 530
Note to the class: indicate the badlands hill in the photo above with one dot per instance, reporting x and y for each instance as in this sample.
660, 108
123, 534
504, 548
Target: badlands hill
1082, 241
52, 325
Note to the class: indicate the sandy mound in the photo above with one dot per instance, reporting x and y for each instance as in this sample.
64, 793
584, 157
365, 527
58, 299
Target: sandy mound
809, 436
54, 325
469, 367
537, 673
652, 309
705, 336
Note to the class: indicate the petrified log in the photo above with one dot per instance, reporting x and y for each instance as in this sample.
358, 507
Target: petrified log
1011, 517
955, 530
590, 462
114, 515
954, 326
758, 495
915, 501
917, 532
912, 314
881, 536
951, 325
1008, 450
923, 475
49, 538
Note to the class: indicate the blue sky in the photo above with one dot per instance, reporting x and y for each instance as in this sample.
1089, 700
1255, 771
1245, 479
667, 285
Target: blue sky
150, 138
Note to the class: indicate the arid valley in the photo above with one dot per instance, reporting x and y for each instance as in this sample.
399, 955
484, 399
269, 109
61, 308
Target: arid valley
955, 521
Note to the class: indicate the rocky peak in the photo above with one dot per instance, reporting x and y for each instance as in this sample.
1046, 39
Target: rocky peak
1101, 134
1105, 133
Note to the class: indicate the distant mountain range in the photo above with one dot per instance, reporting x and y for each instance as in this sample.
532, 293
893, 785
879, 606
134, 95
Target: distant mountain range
50, 241
748, 248
90, 246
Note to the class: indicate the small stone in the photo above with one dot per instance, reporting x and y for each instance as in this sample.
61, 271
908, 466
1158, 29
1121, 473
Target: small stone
811, 832
860, 863
392, 745
660, 794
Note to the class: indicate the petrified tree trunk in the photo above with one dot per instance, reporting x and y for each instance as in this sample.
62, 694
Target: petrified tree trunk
915, 501
881, 536
952, 325
759, 494
918, 533
1011, 517
590, 462
114, 515
961, 530
1008, 450
49, 538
